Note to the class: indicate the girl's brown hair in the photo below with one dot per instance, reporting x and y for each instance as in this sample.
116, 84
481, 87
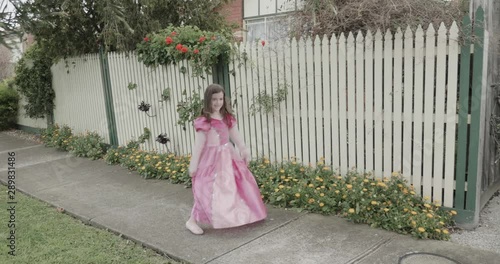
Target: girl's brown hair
207, 109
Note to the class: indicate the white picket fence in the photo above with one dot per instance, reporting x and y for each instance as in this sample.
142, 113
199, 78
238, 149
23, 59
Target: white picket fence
377, 103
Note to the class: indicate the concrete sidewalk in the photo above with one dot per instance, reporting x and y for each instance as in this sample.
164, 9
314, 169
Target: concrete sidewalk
153, 212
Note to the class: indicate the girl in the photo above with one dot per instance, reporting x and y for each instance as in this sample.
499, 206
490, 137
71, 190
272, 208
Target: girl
225, 191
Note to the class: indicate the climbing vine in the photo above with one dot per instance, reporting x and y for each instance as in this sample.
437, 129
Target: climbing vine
267, 103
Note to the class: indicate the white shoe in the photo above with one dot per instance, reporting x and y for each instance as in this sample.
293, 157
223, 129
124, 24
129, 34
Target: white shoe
193, 227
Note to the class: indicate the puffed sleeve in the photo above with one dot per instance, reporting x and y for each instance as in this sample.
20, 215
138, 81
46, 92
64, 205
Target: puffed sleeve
231, 121
201, 124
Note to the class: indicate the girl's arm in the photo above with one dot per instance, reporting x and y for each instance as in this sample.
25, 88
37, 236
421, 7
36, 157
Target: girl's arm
199, 142
236, 138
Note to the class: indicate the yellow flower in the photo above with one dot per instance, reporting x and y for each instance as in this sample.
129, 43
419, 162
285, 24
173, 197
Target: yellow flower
372, 184
182, 170
374, 202
430, 215
295, 180
321, 194
159, 168
394, 174
318, 188
413, 212
326, 168
445, 232
421, 229
441, 222
282, 171
400, 185
116, 153
138, 156
453, 212
386, 210
302, 169
364, 189
297, 195
311, 201
281, 186
405, 210
276, 190
321, 204
337, 191
427, 205
413, 223
294, 163
412, 192
351, 210
426, 198
438, 230
334, 185
143, 168
174, 172
366, 180
349, 186
286, 180
311, 185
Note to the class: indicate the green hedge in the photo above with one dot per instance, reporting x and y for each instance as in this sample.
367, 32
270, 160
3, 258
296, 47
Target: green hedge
9, 105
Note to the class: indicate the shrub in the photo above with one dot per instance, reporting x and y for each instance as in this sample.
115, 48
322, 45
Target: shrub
387, 203
34, 81
89, 145
57, 137
9, 106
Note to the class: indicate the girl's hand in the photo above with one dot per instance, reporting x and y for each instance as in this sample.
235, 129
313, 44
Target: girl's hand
246, 156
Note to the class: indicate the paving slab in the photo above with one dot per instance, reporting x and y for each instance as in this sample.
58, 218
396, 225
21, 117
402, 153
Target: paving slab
406, 250
32, 155
310, 239
9, 143
160, 225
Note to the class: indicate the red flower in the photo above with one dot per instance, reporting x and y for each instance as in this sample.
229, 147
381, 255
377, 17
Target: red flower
169, 40
263, 43
184, 49
178, 47
196, 51
146, 39
202, 38
173, 33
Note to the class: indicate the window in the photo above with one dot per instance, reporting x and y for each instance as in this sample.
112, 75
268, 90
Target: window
267, 28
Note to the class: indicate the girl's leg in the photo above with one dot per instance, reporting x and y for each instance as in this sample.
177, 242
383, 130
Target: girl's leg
192, 226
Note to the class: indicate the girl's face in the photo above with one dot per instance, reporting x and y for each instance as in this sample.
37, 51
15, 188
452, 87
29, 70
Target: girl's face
217, 102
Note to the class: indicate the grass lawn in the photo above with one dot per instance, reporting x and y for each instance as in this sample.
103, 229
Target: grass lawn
44, 235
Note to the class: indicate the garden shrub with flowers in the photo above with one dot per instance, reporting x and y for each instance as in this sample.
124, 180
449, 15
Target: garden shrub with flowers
89, 144
388, 203
202, 49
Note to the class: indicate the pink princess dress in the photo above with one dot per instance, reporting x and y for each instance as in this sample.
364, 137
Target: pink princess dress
225, 191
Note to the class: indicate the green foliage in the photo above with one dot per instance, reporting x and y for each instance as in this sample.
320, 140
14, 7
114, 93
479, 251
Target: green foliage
146, 135
268, 103
57, 137
70, 28
152, 165
88, 145
189, 108
34, 81
387, 203
165, 95
132, 86
9, 105
174, 44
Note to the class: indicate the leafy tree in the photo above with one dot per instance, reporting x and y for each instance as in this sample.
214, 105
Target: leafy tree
7, 25
68, 27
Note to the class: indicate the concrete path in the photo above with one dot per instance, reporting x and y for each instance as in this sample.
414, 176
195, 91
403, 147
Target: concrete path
153, 212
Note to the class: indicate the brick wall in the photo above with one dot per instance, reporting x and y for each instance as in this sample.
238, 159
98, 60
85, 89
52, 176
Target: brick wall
233, 12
